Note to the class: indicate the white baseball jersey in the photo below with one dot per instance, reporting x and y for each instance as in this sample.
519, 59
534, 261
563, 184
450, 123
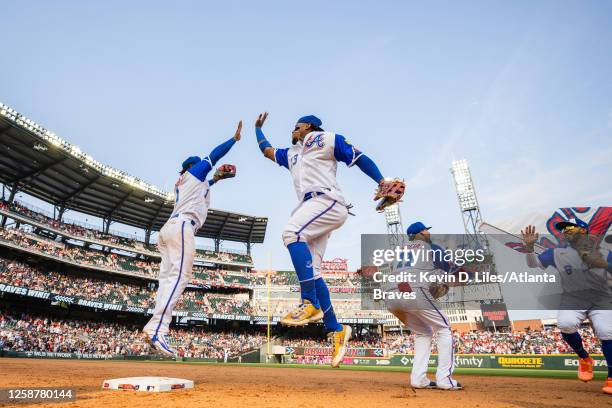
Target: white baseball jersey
423, 315
313, 163
192, 194
423, 258
575, 274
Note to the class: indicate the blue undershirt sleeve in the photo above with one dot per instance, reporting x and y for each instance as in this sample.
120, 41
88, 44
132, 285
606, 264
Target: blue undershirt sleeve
221, 150
547, 258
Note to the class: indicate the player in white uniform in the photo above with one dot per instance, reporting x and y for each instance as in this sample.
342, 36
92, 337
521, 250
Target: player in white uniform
423, 315
176, 240
583, 269
312, 161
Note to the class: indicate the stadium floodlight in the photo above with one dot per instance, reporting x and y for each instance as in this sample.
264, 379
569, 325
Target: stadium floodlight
468, 203
392, 214
464, 185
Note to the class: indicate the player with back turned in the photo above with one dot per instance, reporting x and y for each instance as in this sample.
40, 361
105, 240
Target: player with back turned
176, 240
423, 315
312, 161
583, 269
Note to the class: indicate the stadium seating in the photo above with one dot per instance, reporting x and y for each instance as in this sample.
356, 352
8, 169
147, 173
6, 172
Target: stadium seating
90, 233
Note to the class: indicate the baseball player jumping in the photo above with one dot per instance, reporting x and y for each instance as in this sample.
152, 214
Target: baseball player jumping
583, 270
423, 315
312, 161
176, 240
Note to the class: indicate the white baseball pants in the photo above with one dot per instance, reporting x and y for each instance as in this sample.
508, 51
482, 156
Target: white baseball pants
569, 321
313, 222
177, 246
424, 317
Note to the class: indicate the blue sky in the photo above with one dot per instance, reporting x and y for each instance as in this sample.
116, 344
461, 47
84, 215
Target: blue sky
523, 91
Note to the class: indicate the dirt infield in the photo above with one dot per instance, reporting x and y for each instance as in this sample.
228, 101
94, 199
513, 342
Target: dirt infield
248, 386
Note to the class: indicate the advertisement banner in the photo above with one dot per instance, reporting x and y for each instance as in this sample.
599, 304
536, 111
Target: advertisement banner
508, 361
102, 305
326, 351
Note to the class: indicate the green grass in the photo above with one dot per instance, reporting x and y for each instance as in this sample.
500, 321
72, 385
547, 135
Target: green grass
512, 372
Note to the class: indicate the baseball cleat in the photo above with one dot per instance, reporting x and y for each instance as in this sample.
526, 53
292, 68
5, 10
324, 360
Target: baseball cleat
607, 388
302, 315
158, 343
456, 386
432, 384
585, 369
339, 340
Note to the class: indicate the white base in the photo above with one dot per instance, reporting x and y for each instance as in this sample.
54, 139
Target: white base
147, 384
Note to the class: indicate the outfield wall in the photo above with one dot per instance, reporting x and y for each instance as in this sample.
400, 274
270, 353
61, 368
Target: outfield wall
483, 361
493, 361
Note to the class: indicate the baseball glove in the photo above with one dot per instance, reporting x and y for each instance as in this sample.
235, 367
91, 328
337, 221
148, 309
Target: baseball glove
437, 290
225, 171
391, 191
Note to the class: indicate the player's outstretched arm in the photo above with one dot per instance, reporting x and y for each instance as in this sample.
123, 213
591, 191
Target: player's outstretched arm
266, 148
390, 191
221, 150
370, 168
345, 152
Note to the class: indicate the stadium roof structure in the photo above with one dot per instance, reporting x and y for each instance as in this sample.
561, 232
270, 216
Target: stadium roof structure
38, 162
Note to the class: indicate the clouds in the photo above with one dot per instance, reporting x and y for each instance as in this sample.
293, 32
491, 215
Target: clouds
578, 178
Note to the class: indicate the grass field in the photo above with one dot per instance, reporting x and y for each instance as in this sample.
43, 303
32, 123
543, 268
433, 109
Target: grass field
514, 372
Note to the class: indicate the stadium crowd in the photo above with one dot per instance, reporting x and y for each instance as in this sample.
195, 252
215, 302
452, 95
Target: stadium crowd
546, 341
77, 254
113, 261
74, 229
289, 278
23, 275
25, 332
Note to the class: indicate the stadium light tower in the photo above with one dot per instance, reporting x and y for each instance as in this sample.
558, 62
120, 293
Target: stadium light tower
468, 204
395, 228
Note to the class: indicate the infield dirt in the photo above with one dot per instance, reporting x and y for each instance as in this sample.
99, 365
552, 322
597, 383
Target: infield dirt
247, 386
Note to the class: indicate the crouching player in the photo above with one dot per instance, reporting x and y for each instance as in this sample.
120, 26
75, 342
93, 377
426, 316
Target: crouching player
423, 315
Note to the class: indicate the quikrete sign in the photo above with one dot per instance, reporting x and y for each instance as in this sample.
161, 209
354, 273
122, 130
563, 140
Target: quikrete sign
520, 362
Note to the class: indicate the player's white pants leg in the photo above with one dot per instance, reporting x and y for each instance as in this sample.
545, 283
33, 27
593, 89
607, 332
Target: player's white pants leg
601, 320
422, 352
569, 321
312, 222
317, 248
426, 323
177, 245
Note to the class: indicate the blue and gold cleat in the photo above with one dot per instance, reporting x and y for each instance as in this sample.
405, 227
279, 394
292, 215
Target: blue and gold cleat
302, 315
339, 341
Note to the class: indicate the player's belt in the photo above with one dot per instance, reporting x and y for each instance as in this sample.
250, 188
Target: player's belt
312, 194
177, 215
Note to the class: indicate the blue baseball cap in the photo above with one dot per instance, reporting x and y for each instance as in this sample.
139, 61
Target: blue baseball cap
560, 226
190, 161
416, 227
312, 119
